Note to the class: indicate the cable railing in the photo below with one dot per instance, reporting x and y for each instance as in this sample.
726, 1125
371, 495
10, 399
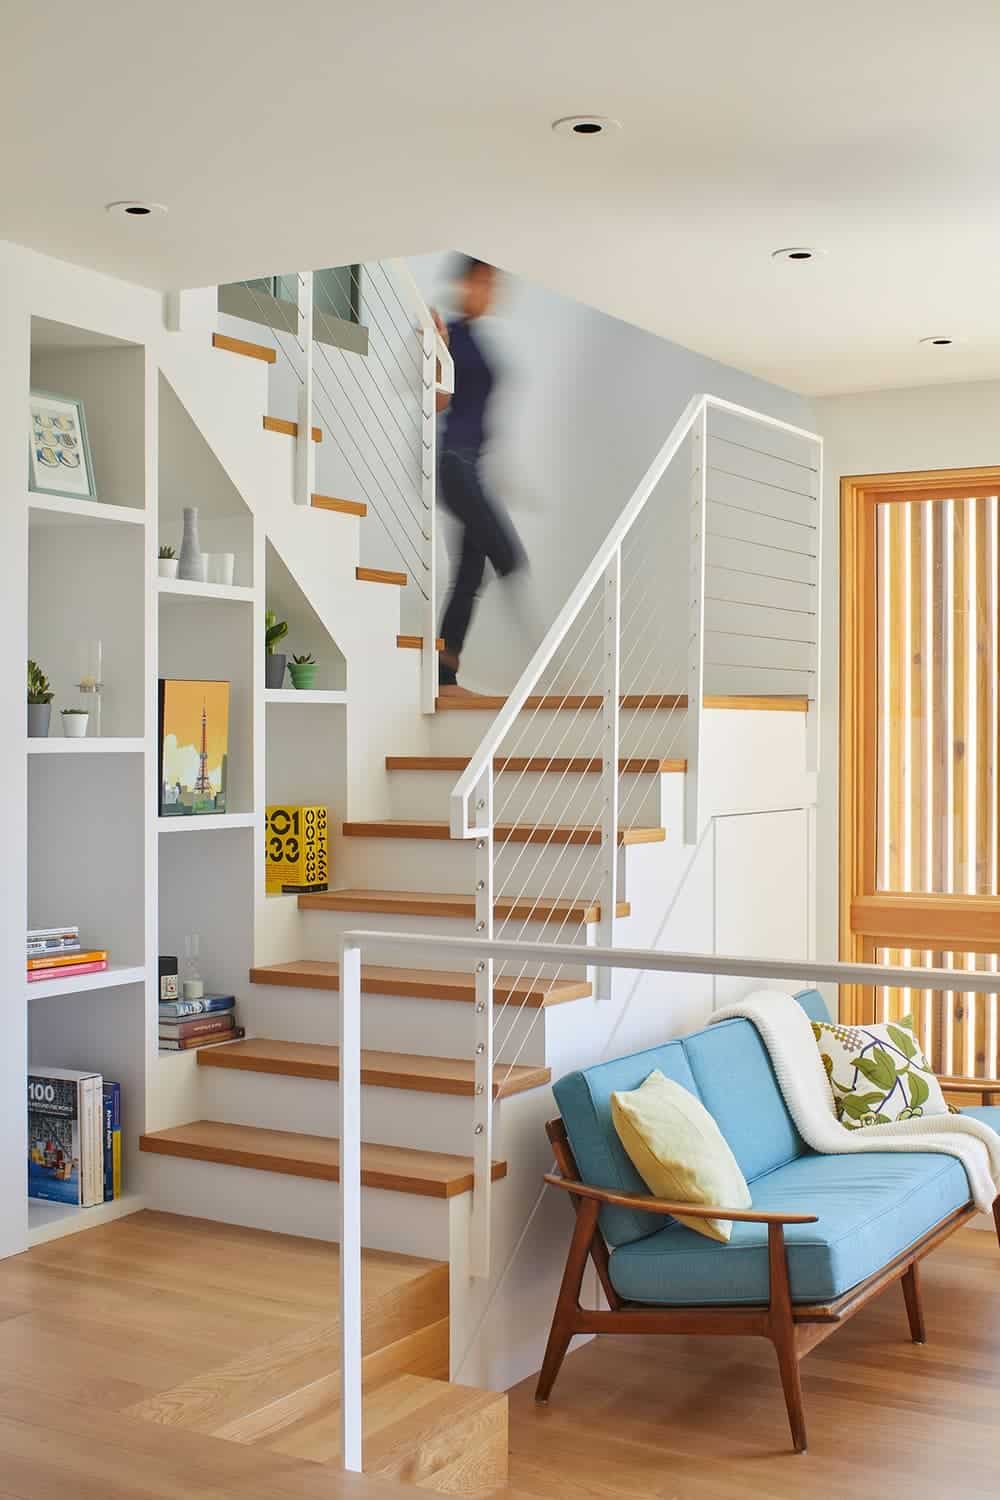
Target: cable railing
375, 393
678, 609
483, 956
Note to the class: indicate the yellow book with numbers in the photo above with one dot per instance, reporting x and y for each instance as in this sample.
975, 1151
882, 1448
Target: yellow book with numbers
297, 856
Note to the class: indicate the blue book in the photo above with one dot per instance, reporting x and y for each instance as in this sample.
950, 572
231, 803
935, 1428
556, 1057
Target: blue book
179, 1010
112, 1141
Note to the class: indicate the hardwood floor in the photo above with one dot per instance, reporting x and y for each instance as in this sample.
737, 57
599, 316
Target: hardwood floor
697, 1419
126, 1353
165, 1356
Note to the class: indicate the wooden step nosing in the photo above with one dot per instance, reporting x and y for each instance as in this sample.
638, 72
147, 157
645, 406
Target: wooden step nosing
541, 764
416, 643
540, 910
261, 1160
517, 1080
263, 352
381, 575
344, 507
447, 988
289, 429
512, 833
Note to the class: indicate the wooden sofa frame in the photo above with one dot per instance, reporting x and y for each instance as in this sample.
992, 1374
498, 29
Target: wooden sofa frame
793, 1328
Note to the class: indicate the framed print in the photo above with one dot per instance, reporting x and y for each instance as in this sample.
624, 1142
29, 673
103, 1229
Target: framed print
59, 461
194, 747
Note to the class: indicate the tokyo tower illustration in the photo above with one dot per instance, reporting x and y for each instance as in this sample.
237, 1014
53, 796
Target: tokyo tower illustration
204, 783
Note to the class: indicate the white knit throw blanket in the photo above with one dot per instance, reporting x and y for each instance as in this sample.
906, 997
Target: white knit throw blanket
787, 1033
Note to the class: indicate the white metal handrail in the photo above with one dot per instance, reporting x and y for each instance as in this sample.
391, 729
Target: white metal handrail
476, 952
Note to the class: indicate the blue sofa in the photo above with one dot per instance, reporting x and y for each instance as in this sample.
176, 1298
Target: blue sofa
824, 1234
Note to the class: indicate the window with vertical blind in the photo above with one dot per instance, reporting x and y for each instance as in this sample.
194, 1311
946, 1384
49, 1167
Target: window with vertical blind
920, 882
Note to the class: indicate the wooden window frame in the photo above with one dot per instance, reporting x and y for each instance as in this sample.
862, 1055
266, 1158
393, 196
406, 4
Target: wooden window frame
870, 918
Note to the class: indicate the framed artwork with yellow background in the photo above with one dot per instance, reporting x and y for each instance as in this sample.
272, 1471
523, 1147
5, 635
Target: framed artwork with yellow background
194, 747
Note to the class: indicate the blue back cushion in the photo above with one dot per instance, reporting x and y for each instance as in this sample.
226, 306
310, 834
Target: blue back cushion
725, 1066
584, 1101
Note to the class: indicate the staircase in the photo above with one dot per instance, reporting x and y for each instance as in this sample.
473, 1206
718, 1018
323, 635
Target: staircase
255, 1146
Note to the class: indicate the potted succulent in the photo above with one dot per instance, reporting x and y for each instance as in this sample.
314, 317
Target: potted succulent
74, 722
39, 702
168, 562
275, 630
303, 671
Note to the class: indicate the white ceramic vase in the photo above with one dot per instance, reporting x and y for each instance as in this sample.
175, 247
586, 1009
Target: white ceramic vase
168, 566
191, 563
74, 726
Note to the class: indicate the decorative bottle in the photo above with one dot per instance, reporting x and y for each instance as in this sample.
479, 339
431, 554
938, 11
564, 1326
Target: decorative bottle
191, 563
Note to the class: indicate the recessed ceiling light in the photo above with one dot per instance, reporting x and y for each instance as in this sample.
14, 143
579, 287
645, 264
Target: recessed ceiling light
795, 252
585, 125
940, 340
134, 208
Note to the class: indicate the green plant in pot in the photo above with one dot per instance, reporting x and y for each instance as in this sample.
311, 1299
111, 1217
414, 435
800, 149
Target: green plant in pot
39, 702
74, 722
275, 631
303, 670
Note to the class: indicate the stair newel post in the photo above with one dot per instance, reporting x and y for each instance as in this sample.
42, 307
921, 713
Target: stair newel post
428, 493
611, 695
305, 454
696, 622
350, 1203
482, 1104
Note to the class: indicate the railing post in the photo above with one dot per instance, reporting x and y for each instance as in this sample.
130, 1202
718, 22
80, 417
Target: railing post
812, 714
350, 1204
696, 624
428, 495
305, 449
482, 1104
611, 694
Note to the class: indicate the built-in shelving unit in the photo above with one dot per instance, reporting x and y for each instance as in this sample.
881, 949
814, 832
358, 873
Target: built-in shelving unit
53, 1221
206, 823
305, 695
184, 588
114, 974
105, 745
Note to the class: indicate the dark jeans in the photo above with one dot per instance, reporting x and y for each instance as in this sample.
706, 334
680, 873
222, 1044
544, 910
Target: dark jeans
487, 537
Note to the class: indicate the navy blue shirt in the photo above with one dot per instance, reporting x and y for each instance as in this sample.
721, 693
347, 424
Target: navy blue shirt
465, 414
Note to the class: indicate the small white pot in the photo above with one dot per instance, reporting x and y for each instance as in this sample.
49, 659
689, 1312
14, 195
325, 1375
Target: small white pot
220, 567
74, 726
168, 567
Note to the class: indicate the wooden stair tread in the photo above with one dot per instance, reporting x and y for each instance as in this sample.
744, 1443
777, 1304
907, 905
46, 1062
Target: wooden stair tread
421, 984
628, 765
289, 429
513, 833
243, 346
462, 906
416, 643
331, 502
391, 1070
774, 703
427, 1174
432, 1434
380, 575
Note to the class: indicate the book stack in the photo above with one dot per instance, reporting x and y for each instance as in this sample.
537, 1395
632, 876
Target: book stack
186, 1024
74, 1137
58, 953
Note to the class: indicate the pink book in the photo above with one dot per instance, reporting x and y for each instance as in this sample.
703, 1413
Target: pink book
66, 971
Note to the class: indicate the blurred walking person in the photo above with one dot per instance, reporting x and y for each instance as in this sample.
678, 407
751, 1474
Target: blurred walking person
485, 533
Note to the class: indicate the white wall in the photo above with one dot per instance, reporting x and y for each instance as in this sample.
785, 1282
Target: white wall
585, 402
878, 432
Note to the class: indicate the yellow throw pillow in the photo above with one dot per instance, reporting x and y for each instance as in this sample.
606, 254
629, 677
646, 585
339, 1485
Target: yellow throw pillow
679, 1151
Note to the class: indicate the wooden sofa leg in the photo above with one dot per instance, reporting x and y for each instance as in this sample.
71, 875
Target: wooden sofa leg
782, 1330
914, 1310
568, 1301
996, 1216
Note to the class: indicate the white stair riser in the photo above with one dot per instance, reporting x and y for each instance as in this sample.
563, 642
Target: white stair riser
404, 1222
448, 865
392, 1023
658, 732
537, 797
321, 932
389, 1117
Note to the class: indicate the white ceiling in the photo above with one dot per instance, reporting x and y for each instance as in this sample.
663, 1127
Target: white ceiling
313, 133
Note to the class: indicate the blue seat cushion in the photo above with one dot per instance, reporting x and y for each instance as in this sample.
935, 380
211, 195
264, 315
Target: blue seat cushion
736, 1083
871, 1207
988, 1113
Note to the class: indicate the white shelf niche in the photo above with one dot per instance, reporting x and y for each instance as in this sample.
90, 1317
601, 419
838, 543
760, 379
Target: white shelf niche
207, 822
306, 633
53, 1221
306, 695
185, 588
105, 745
58, 510
106, 979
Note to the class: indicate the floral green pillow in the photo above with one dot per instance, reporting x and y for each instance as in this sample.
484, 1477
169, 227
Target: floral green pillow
878, 1073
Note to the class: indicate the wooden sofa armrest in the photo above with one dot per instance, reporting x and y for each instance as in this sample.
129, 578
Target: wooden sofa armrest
651, 1205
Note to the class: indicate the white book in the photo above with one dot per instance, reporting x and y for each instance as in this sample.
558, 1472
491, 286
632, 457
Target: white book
35, 933
65, 1135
